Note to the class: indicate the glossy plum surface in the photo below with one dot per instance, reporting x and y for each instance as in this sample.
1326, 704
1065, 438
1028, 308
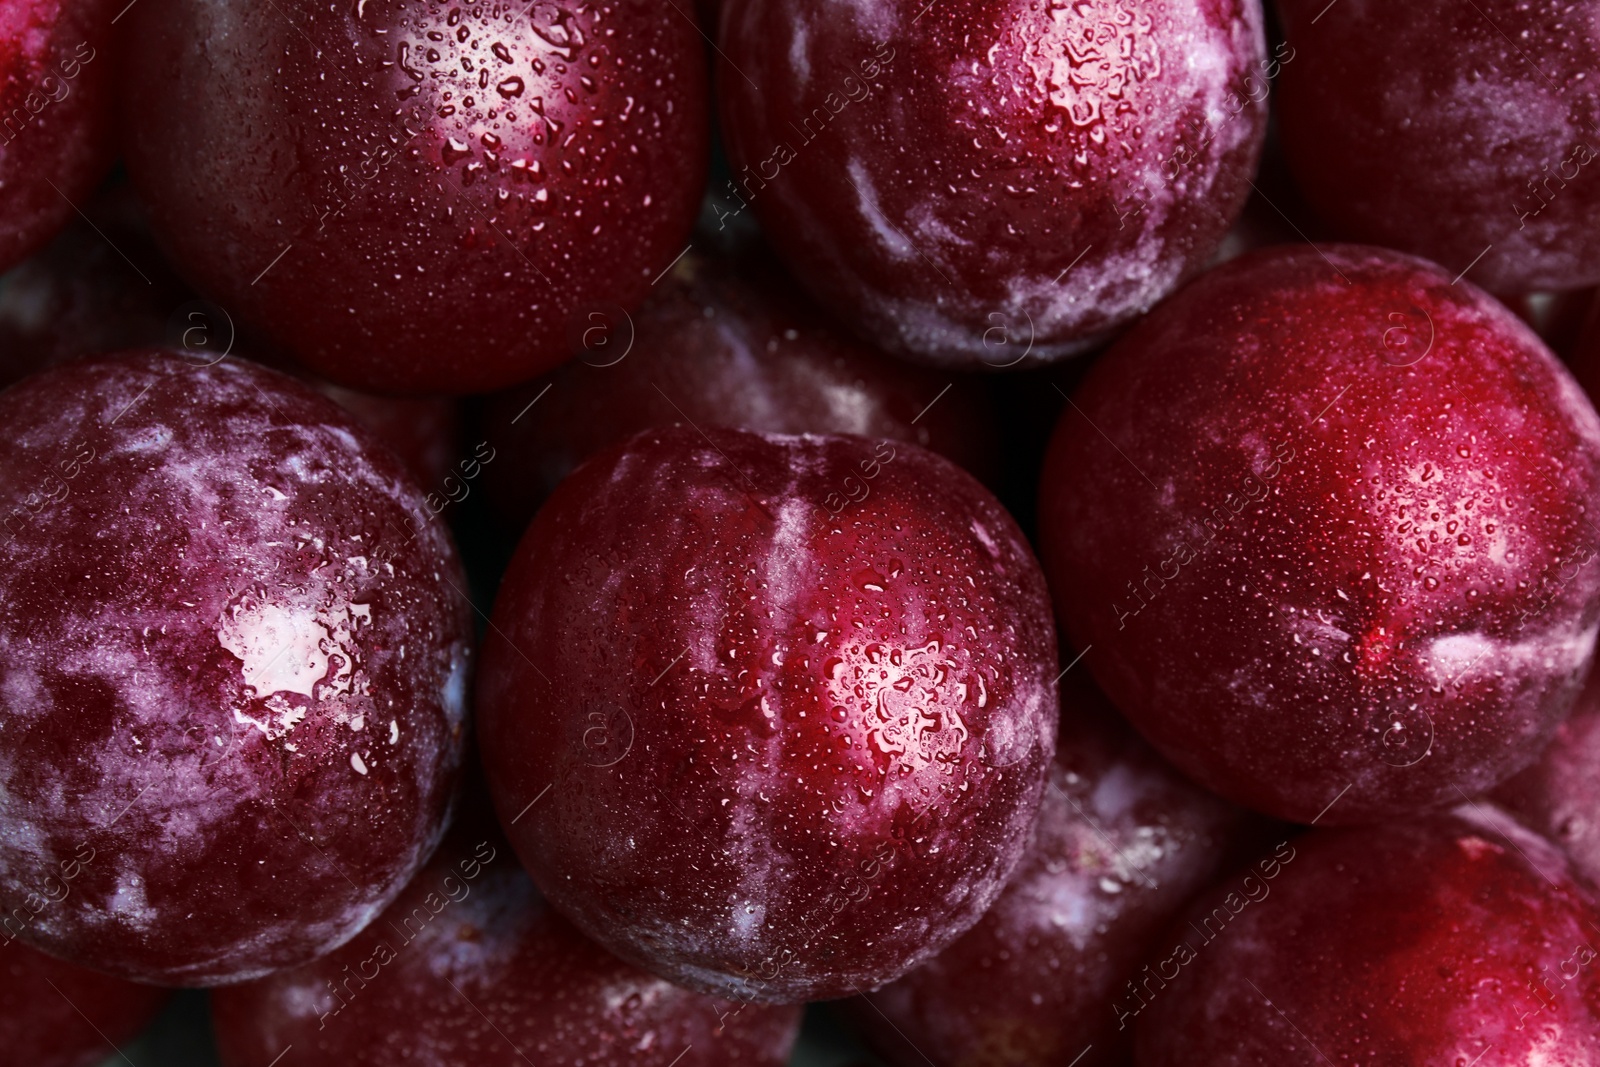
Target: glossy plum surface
234, 678
1559, 796
470, 967
56, 133
996, 182
450, 187
1121, 843
53, 1014
1322, 525
769, 716
1455, 938
1452, 131
725, 341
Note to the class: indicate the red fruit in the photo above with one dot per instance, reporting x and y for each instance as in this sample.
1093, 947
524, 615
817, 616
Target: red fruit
472, 965
1558, 796
1322, 524
53, 1014
1453, 131
56, 136
449, 188
1120, 844
724, 343
995, 182
769, 716
234, 678
425, 431
79, 296
1452, 939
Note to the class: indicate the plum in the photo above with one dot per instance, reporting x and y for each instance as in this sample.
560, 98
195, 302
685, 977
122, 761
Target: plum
1323, 527
416, 195
1465, 133
53, 1014
56, 133
769, 716
234, 669
1121, 843
1452, 938
102, 286
424, 431
724, 341
993, 183
79, 296
1558, 796
471, 964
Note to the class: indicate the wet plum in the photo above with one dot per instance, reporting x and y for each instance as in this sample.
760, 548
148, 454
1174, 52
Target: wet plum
234, 669
1323, 526
769, 716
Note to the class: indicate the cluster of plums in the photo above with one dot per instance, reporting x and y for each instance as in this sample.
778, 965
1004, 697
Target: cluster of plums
493, 574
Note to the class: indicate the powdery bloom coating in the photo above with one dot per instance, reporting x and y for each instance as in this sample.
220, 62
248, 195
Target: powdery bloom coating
770, 716
1452, 131
55, 115
449, 187
233, 679
993, 183
1121, 842
1455, 938
470, 967
1324, 524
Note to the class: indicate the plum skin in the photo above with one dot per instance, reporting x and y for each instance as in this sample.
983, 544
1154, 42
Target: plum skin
724, 341
235, 678
450, 187
1290, 523
40, 1001
55, 116
1557, 796
1434, 940
935, 180
1394, 125
1120, 844
469, 934
758, 738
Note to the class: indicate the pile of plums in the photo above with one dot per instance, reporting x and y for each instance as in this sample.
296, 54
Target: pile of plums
557, 533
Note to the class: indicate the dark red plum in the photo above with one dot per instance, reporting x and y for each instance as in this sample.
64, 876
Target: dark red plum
1323, 527
995, 183
53, 1014
414, 195
471, 964
425, 431
1121, 843
1455, 938
234, 669
78, 296
1466, 133
56, 132
725, 342
770, 716
1559, 796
